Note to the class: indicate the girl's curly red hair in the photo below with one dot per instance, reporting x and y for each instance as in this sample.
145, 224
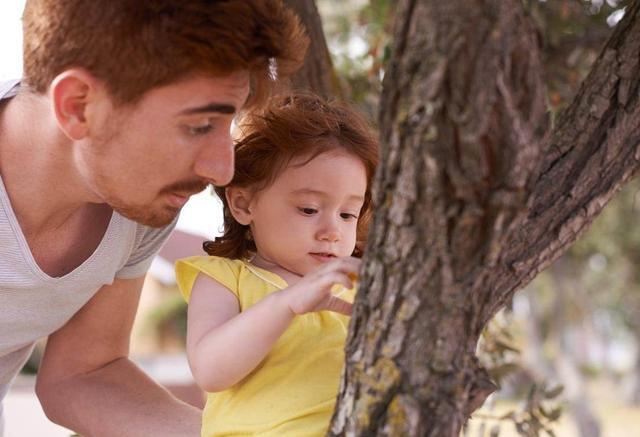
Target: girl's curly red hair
291, 126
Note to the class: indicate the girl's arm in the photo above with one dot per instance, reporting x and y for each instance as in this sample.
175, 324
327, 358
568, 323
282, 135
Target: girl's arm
224, 345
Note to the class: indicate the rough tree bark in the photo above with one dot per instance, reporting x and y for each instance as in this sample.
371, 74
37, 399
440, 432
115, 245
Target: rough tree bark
317, 73
474, 198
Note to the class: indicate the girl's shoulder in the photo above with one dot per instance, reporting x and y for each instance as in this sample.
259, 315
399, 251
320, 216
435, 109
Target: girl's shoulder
224, 270
211, 263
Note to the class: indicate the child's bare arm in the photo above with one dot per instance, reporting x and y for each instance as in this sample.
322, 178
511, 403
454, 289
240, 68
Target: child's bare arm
224, 345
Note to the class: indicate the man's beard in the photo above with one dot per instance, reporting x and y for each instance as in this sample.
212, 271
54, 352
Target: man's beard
147, 216
156, 213
158, 216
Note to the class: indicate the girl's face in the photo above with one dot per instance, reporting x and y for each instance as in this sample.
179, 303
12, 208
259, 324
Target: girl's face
310, 212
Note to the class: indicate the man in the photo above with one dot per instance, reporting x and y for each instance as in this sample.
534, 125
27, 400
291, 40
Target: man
123, 112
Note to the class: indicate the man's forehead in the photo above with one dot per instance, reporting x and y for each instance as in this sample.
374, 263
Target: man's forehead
200, 94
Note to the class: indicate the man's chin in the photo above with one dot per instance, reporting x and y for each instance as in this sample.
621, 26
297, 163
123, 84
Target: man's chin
147, 217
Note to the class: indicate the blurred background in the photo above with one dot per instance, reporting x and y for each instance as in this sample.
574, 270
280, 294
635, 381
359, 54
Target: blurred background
566, 351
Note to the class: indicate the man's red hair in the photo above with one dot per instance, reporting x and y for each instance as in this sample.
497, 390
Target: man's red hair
134, 45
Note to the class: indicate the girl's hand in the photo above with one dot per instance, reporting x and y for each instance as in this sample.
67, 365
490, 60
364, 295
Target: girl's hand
313, 291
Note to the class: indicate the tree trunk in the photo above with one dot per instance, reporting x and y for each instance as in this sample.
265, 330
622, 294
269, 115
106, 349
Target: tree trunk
317, 73
473, 200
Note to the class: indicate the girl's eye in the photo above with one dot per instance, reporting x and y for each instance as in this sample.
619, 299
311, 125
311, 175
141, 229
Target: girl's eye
202, 129
348, 216
308, 211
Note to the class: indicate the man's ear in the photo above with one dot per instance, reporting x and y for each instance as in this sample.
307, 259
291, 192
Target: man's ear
71, 92
239, 201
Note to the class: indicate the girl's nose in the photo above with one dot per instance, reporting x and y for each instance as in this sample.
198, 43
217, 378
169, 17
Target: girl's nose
329, 232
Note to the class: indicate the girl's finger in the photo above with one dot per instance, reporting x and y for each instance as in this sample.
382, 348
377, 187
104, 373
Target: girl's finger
346, 264
328, 280
340, 306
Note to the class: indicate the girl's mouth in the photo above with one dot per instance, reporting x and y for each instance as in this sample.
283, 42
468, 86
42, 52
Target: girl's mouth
322, 256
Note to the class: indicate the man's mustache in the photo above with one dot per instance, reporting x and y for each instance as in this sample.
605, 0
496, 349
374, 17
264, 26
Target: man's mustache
186, 187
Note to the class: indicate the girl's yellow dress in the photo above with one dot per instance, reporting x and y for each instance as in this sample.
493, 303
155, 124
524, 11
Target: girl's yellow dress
293, 390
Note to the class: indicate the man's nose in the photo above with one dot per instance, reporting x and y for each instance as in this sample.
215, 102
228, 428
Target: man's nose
215, 162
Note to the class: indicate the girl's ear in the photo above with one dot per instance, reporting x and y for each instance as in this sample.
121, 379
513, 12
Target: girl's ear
239, 201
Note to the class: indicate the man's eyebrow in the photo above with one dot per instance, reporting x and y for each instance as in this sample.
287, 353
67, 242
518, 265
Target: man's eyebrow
223, 108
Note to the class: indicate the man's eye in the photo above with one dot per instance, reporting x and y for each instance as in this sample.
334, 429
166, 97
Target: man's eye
200, 130
308, 211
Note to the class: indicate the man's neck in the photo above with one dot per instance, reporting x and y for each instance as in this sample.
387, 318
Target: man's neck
36, 166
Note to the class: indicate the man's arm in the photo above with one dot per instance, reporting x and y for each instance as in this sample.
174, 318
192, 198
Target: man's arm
86, 382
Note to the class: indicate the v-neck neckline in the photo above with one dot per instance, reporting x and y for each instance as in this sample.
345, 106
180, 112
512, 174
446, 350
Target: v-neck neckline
26, 250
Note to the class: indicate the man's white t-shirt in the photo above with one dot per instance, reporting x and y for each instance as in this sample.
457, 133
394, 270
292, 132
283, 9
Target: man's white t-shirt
34, 304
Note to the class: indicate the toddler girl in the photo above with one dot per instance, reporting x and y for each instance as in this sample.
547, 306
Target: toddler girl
268, 309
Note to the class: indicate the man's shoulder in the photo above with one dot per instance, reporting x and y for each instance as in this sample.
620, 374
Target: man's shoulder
144, 242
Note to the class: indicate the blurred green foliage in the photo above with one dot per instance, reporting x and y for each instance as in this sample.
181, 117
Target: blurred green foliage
358, 36
170, 318
606, 260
